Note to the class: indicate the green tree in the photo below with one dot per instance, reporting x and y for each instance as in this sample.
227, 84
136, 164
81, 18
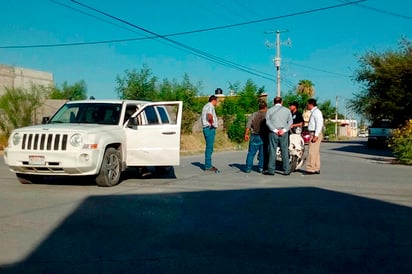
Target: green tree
187, 92
306, 87
328, 110
137, 85
249, 96
77, 91
386, 80
234, 87
235, 108
17, 107
184, 91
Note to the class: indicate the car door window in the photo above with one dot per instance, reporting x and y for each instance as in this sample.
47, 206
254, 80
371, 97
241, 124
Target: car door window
163, 115
151, 116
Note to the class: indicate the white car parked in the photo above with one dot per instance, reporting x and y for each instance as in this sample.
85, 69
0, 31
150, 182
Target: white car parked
97, 137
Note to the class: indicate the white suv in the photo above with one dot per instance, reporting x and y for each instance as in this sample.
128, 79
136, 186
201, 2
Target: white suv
97, 137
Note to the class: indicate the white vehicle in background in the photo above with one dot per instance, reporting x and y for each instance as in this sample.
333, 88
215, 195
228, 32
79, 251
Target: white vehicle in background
380, 133
97, 137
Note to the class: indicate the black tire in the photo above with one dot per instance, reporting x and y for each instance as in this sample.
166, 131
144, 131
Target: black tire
110, 169
28, 178
293, 163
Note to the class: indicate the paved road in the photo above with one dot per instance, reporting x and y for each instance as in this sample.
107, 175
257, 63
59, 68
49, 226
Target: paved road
355, 217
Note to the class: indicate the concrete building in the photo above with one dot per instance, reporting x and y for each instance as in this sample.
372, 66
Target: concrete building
47, 109
16, 77
346, 128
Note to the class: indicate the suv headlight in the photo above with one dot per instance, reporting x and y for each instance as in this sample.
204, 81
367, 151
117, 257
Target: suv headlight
76, 140
16, 139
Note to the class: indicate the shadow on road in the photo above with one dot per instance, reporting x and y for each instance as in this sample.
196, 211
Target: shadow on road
161, 172
287, 230
360, 147
199, 165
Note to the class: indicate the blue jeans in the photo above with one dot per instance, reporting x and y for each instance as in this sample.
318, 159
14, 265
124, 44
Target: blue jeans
255, 145
282, 142
209, 134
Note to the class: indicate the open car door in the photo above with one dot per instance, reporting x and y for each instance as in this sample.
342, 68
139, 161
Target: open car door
153, 134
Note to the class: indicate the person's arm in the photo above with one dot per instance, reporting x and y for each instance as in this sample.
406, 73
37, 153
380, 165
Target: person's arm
248, 126
289, 122
318, 122
268, 114
247, 134
210, 118
318, 125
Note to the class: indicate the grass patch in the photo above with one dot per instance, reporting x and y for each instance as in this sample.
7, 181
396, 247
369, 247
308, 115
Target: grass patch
195, 143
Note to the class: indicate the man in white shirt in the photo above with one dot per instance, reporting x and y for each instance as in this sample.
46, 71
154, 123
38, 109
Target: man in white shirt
315, 128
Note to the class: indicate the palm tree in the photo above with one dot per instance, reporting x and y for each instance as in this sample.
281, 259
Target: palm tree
306, 87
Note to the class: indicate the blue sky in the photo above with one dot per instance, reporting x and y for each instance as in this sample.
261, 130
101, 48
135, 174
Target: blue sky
327, 41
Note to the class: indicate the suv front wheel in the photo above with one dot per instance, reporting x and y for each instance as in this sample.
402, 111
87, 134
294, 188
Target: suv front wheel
110, 170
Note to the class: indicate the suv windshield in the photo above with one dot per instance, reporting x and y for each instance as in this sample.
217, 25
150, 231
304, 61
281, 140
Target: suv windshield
88, 113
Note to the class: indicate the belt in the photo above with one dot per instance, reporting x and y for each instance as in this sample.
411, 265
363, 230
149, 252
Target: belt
210, 127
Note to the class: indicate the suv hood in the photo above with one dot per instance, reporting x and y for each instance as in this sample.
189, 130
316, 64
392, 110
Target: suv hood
90, 128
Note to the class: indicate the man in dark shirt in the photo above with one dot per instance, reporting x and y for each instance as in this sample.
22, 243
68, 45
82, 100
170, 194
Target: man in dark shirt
255, 129
296, 116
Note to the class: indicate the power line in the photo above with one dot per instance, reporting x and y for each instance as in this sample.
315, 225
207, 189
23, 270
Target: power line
321, 70
186, 48
174, 43
203, 54
166, 35
381, 11
89, 14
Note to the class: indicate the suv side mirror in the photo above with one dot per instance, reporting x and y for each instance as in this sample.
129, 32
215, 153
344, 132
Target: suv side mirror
45, 120
132, 122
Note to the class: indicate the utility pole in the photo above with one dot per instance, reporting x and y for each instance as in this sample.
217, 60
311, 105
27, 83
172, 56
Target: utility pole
277, 62
336, 118
277, 59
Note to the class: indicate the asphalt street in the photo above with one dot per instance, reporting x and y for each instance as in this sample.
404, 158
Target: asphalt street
355, 217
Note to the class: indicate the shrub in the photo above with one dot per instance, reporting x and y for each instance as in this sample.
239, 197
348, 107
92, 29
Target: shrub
236, 130
189, 118
17, 107
329, 128
401, 143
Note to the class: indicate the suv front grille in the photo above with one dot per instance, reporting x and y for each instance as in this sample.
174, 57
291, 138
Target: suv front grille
44, 141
